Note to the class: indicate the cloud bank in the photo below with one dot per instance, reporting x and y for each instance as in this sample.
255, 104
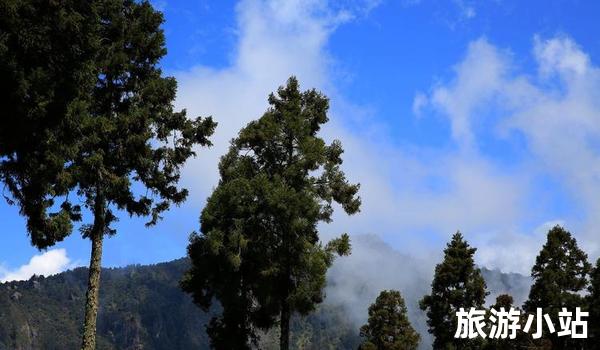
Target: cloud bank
48, 263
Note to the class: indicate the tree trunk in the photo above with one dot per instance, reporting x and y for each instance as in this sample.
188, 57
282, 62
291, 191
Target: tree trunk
284, 338
91, 302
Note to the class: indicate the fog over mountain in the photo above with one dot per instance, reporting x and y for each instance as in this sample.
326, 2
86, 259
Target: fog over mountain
356, 280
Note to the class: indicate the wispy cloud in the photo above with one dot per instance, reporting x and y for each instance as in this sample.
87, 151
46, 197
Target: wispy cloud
398, 185
556, 111
477, 80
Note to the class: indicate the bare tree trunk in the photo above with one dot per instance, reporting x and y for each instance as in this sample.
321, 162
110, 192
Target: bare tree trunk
284, 338
91, 303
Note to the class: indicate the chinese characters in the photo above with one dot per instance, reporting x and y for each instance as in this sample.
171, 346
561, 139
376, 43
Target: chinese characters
504, 324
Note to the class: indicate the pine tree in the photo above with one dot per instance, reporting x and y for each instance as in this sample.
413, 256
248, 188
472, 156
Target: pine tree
100, 131
47, 51
457, 283
259, 252
559, 276
217, 269
388, 327
505, 301
594, 308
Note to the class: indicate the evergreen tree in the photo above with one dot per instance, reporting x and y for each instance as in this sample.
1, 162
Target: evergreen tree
259, 252
217, 269
100, 131
594, 308
559, 277
388, 327
47, 51
505, 301
457, 283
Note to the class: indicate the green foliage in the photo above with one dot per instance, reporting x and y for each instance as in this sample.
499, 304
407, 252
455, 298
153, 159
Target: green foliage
91, 118
560, 275
141, 307
594, 307
47, 50
259, 252
457, 283
388, 327
329, 327
506, 301
89, 110
503, 301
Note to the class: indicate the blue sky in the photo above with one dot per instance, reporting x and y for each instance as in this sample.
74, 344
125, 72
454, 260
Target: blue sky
481, 116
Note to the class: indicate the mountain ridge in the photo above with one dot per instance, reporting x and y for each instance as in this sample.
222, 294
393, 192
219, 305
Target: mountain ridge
142, 307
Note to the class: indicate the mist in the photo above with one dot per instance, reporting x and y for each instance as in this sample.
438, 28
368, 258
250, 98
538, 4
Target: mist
356, 280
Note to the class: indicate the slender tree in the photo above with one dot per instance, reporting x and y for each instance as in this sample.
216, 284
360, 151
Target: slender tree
388, 327
594, 308
259, 228
112, 130
457, 283
560, 275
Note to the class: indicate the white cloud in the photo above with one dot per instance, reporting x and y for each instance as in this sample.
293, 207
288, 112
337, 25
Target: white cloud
419, 102
276, 39
408, 190
510, 250
469, 12
560, 55
48, 263
405, 190
478, 78
557, 113
356, 280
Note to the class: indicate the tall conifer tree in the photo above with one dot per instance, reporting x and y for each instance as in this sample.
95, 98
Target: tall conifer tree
457, 283
560, 275
259, 252
90, 119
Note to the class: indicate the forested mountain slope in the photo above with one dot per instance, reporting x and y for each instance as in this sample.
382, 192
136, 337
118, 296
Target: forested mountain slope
142, 307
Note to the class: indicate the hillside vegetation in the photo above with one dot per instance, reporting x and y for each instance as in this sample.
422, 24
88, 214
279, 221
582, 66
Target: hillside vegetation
142, 307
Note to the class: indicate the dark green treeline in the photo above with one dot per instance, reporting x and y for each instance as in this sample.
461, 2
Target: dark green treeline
562, 278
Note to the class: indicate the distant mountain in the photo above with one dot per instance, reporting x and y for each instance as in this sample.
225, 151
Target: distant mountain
142, 307
514, 284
